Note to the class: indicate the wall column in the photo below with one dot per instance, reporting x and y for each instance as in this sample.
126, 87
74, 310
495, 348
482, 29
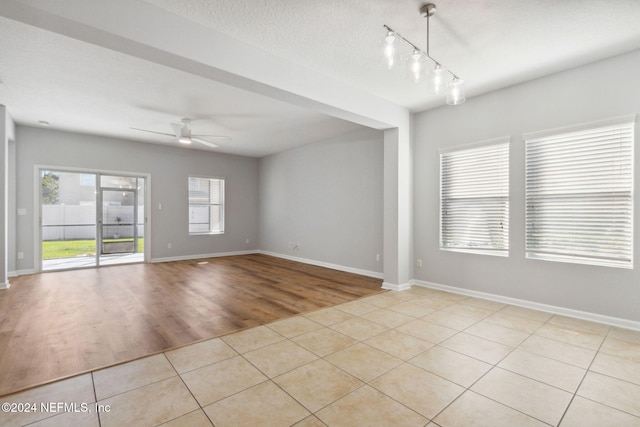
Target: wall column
398, 222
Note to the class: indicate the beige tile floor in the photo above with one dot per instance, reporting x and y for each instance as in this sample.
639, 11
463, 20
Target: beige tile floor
414, 358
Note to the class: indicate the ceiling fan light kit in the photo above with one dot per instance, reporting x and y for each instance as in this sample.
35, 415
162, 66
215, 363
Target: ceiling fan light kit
184, 131
421, 65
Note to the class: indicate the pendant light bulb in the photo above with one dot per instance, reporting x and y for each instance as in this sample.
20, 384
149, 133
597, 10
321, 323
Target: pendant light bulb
437, 79
417, 67
455, 92
390, 50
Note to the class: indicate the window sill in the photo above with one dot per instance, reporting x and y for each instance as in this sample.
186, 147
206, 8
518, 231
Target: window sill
207, 233
577, 260
500, 253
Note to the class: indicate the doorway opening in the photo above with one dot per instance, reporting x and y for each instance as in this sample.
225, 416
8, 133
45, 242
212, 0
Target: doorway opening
91, 219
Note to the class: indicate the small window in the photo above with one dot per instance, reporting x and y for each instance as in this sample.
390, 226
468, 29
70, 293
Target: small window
579, 192
474, 198
206, 205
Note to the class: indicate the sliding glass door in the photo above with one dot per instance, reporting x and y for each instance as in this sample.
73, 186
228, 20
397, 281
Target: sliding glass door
90, 219
121, 219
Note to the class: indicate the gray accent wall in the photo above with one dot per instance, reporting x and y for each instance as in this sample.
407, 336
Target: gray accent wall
326, 198
597, 91
169, 169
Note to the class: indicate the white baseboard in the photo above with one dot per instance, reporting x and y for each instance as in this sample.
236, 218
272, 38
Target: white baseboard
200, 256
359, 271
5, 285
394, 287
569, 312
29, 271
21, 272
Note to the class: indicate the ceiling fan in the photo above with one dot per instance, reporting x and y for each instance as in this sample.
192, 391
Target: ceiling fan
182, 134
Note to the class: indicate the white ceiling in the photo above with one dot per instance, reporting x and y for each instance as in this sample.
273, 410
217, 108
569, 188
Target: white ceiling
491, 44
80, 87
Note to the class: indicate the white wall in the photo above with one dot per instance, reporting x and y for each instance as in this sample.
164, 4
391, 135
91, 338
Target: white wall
601, 90
327, 197
169, 168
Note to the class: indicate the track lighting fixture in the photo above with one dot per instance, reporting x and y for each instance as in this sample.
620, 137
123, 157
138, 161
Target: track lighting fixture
421, 65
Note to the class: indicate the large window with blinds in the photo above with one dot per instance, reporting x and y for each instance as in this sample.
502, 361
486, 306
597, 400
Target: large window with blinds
206, 205
579, 194
474, 198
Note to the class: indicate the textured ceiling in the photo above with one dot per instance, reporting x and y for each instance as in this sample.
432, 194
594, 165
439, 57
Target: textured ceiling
80, 86
489, 43
83, 88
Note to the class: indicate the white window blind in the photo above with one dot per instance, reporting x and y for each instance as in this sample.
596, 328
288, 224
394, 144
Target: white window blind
206, 205
474, 199
579, 188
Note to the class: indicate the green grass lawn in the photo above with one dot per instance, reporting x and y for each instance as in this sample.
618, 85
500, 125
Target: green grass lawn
76, 248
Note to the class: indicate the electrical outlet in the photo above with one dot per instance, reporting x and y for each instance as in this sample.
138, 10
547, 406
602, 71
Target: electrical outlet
169, 245
377, 257
20, 255
419, 263
246, 242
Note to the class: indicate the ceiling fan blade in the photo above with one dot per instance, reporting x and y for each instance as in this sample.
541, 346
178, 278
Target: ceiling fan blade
203, 142
211, 136
153, 131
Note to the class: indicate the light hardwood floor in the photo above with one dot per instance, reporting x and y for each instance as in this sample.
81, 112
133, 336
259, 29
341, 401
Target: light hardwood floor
54, 325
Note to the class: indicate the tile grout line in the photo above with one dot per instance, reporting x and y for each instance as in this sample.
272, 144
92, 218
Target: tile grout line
164, 353
95, 396
547, 321
468, 389
197, 403
496, 366
407, 362
364, 383
605, 375
271, 380
439, 345
586, 372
